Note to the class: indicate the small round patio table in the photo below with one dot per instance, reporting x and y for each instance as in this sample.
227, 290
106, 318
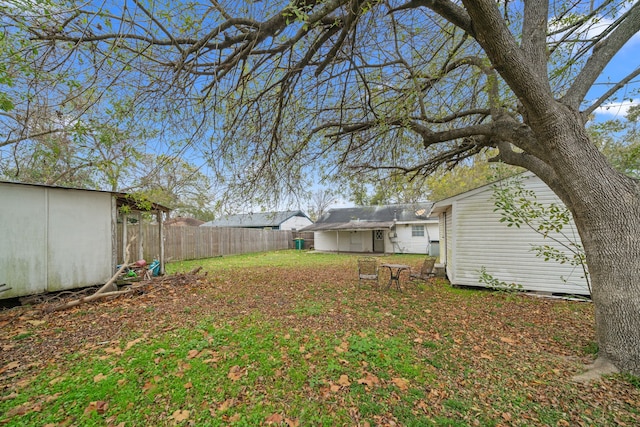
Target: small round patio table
394, 274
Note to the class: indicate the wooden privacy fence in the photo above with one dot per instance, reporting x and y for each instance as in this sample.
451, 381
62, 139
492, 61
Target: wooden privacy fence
184, 242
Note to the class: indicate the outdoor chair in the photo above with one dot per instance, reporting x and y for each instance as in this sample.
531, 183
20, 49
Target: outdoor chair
367, 270
426, 270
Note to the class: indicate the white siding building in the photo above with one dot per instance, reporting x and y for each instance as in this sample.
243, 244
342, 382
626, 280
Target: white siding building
472, 237
54, 238
377, 229
287, 220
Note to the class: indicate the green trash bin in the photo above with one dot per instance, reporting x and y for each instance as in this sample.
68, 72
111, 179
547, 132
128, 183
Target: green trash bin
299, 243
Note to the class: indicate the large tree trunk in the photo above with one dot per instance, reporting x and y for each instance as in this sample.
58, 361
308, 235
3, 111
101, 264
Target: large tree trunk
606, 209
613, 257
610, 235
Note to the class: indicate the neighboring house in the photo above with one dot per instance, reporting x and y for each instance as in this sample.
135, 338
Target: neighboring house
472, 237
56, 238
182, 221
288, 220
403, 228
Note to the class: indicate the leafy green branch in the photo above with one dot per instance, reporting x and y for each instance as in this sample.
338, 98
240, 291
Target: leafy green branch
497, 285
519, 206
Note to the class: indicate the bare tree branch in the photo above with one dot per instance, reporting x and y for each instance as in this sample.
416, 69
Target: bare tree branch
534, 34
603, 53
609, 93
447, 9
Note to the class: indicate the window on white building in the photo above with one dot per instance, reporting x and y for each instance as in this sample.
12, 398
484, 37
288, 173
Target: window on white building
417, 231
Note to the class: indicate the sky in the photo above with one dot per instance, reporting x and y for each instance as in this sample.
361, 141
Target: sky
626, 60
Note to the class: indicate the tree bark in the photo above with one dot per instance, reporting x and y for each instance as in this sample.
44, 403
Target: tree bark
606, 209
612, 246
610, 236
605, 204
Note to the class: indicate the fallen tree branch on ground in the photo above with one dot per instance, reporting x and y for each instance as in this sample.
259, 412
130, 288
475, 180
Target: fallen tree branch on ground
147, 286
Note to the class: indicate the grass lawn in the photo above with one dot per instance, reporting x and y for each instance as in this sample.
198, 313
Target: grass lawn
288, 339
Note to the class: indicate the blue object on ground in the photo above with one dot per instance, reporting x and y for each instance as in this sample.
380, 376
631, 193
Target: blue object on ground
155, 267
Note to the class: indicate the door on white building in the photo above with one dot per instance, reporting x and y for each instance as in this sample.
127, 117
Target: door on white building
378, 241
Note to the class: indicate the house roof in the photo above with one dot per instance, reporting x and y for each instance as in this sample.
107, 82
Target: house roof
371, 217
254, 220
122, 199
183, 221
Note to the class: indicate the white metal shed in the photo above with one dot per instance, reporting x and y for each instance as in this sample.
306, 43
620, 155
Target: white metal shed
472, 237
55, 238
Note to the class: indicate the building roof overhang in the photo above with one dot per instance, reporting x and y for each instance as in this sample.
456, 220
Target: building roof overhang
350, 226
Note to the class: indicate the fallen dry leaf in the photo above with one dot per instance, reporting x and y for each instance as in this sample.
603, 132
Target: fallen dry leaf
401, 383
10, 396
99, 377
9, 366
132, 343
226, 405
344, 381
274, 419
180, 415
36, 322
192, 354
236, 372
99, 406
52, 397
370, 380
343, 347
20, 409
292, 423
113, 350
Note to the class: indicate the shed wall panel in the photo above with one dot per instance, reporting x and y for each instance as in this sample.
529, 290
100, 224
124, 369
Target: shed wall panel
23, 231
446, 230
80, 238
53, 239
481, 240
